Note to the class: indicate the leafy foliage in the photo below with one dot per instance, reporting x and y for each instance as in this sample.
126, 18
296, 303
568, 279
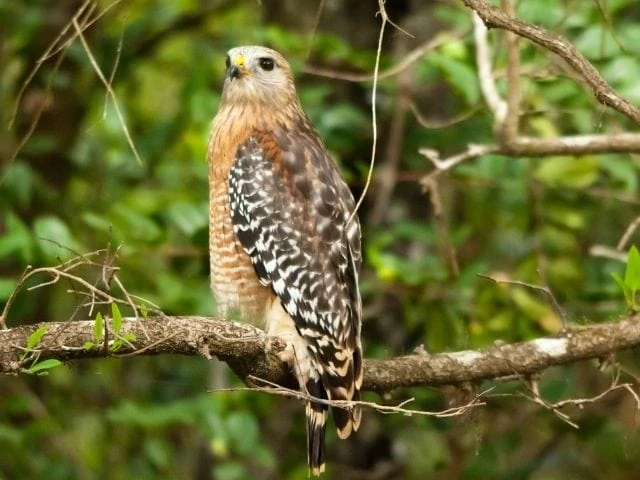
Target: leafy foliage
75, 187
630, 284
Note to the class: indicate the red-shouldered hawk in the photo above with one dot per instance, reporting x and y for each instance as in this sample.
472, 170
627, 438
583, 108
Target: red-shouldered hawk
283, 237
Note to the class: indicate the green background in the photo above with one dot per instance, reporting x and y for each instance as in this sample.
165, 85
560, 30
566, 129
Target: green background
75, 187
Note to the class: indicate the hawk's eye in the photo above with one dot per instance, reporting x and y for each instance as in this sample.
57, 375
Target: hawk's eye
267, 63
227, 62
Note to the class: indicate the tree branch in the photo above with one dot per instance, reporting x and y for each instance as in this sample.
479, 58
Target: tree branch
509, 141
242, 347
493, 17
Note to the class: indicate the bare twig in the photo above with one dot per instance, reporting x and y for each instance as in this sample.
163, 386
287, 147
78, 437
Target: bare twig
65, 270
408, 60
275, 389
556, 407
58, 46
483, 61
386, 177
374, 121
624, 240
437, 124
605, 251
51, 51
314, 29
540, 288
537, 398
506, 113
473, 151
12, 297
447, 249
110, 91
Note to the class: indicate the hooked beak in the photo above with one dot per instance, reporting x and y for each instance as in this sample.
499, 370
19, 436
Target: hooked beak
237, 68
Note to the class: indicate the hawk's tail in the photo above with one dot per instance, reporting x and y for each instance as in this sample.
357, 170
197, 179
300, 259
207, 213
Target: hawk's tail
316, 414
342, 383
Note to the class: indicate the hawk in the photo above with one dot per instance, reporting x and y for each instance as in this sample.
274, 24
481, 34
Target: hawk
284, 239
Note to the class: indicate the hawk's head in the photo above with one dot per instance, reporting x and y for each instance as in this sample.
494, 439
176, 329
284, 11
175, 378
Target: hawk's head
257, 74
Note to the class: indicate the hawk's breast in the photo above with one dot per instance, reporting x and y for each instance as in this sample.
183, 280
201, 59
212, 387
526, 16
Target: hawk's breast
234, 281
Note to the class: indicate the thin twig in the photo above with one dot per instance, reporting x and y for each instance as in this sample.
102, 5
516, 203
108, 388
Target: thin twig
107, 85
314, 29
438, 124
56, 47
386, 177
624, 240
408, 60
274, 388
49, 52
65, 271
483, 61
374, 122
112, 76
12, 296
473, 151
540, 288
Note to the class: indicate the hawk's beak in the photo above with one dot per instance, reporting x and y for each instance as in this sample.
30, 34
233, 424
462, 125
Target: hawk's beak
237, 68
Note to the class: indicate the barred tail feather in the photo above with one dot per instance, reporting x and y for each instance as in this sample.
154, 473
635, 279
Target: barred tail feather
316, 414
344, 384
347, 420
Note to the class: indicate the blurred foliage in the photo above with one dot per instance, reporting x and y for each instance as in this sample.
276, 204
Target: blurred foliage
76, 187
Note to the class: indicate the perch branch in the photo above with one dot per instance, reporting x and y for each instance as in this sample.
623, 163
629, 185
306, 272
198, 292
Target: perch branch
242, 347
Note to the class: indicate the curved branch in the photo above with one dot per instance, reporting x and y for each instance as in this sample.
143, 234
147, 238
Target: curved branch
494, 17
243, 346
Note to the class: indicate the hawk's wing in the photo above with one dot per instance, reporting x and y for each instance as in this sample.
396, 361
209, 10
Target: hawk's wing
291, 212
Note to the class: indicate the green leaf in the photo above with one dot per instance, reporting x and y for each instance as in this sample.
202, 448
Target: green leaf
243, 431
632, 272
16, 239
571, 172
98, 222
7, 286
44, 365
625, 289
98, 326
188, 217
594, 45
135, 224
459, 74
18, 183
35, 337
129, 337
117, 318
88, 345
621, 171
55, 238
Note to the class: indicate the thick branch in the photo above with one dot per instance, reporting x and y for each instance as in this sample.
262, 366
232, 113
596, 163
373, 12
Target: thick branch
243, 348
572, 145
494, 17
